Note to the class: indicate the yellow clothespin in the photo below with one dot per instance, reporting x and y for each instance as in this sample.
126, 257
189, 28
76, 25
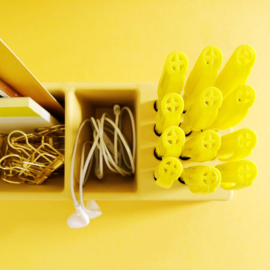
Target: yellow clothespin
168, 171
203, 74
234, 108
237, 174
236, 70
202, 147
203, 110
169, 113
201, 179
237, 145
170, 143
173, 75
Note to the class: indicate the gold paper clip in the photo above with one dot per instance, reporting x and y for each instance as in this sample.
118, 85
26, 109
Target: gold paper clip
32, 158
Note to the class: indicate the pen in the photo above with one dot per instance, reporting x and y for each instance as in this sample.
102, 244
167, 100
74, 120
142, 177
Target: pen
7, 91
202, 147
234, 108
173, 75
237, 145
203, 74
237, 174
168, 171
170, 143
169, 113
201, 179
203, 110
236, 70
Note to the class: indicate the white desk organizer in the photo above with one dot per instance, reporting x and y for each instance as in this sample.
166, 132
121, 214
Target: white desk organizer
83, 100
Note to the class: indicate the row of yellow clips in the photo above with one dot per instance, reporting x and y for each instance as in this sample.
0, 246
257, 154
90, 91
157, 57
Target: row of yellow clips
188, 126
32, 158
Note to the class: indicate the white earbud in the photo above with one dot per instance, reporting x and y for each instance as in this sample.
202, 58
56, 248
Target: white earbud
81, 218
94, 210
117, 155
78, 219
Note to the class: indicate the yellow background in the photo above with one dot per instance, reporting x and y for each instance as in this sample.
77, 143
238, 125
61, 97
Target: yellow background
128, 41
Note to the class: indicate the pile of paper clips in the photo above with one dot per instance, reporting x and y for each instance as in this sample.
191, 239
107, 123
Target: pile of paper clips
32, 158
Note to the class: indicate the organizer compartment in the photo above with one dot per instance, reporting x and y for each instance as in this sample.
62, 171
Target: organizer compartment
93, 103
147, 190
50, 189
83, 100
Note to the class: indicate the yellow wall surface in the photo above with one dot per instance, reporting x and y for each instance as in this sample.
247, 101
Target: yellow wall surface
128, 41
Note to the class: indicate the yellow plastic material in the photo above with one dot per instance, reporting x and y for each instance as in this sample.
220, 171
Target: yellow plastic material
83, 100
203, 74
202, 147
237, 145
237, 174
203, 110
201, 179
170, 143
169, 113
234, 108
168, 171
173, 76
236, 70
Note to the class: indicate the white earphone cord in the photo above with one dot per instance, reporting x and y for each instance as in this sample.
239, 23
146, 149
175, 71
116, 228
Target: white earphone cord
102, 144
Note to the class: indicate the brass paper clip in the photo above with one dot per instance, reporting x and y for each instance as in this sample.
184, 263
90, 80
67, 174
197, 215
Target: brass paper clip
31, 158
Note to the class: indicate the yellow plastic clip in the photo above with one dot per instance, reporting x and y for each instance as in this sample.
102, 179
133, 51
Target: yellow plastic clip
203, 74
170, 111
173, 75
201, 179
236, 70
234, 108
237, 145
237, 174
168, 171
170, 143
202, 147
203, 110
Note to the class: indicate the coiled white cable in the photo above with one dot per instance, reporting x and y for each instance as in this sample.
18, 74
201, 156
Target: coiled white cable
103, 148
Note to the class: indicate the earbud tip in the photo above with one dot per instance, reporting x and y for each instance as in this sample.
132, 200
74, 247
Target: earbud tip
92, 205
76, 221
116, 109
94, 208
